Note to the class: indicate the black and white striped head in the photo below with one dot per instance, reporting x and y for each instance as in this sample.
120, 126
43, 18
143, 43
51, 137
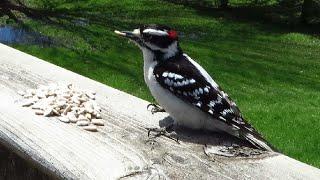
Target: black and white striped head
154, 38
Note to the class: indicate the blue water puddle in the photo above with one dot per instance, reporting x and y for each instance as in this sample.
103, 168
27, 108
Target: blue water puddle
13, 35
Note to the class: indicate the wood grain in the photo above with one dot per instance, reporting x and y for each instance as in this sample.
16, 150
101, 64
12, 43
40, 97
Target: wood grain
121, 149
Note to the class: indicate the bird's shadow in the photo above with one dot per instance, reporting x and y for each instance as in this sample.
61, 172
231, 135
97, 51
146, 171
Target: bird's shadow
205, 137
221, 143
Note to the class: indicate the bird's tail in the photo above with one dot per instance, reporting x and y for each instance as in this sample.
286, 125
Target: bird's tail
257, 141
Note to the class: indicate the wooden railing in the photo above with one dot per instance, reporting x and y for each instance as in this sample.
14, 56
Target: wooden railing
121, 148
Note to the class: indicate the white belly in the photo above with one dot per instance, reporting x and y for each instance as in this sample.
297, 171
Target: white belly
184, 114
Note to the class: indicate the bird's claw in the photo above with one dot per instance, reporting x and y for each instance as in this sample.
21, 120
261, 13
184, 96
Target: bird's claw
161, 132
155, 108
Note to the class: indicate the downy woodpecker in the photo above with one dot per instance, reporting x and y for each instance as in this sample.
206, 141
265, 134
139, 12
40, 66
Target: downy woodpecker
184, 89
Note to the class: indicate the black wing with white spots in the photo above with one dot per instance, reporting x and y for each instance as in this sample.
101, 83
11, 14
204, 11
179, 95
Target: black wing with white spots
182, 78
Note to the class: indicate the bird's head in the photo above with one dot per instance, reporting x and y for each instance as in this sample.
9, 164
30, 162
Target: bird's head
155, 39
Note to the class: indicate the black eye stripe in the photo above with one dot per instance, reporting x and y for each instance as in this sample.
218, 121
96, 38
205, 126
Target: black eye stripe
160, 41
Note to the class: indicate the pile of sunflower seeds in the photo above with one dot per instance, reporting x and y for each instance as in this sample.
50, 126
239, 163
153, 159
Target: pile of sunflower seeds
68, 103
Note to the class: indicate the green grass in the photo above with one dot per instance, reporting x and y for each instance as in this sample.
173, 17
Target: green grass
272, 73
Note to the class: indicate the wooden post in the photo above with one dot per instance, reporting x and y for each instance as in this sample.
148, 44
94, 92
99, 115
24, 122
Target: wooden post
121, 149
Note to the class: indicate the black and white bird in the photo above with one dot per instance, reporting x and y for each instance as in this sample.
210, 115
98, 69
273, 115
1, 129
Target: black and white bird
184, 89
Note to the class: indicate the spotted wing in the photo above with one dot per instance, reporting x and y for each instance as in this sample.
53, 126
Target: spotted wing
182, 78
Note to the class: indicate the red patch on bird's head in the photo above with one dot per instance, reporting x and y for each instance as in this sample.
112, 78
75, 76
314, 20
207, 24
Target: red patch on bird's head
173, 34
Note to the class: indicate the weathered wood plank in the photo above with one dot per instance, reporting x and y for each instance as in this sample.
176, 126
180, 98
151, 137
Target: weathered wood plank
121, 148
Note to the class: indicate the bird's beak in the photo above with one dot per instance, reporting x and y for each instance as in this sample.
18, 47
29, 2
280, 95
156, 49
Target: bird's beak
134, 35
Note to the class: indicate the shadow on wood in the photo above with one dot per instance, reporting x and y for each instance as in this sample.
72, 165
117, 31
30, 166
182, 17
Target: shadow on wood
15, 168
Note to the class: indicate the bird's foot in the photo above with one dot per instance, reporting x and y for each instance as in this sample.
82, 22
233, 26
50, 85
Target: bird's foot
155, 108
163, 131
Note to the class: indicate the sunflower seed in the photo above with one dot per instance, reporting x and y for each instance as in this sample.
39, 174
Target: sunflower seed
64, 119
91, 128
98, 116
98, 122
90, 95
39, 112
72, 117
67, 109
82, 123
82, 117
36, 106
27, 103
88, 116
56, 112
48, 112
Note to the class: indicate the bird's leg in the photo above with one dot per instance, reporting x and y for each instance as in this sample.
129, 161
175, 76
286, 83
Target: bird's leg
155, 108
163, 131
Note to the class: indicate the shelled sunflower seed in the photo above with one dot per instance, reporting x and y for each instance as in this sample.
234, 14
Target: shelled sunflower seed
68, 103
